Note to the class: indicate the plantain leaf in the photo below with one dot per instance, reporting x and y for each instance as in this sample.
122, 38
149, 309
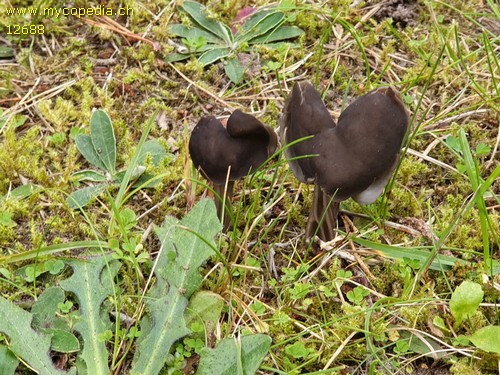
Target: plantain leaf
24, 191
422, 344
259, 24
173, 57
88, 175
86, 148
154, 148
82, 197
6, 52
52, 249
443, 262
103, 139
193, 33
136, 173
198, 14
213, 55
279, 34
253, 20
234, 70
211, 40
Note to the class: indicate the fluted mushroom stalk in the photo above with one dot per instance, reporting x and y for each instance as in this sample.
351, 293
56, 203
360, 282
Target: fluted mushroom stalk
355, 158
225, 154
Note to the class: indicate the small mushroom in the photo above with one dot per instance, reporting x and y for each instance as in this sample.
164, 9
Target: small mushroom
225, 154
355, 158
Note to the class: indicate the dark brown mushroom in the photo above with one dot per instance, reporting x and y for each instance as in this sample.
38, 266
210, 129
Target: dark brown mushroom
225, 154
355, 158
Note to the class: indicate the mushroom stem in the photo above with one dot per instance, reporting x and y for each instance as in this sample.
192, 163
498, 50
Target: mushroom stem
223, 201
323, 218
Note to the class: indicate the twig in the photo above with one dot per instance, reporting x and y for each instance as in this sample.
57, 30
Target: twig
339, 350
209, 93
432, 160
460, 116
27, 102
389, 224
109, 24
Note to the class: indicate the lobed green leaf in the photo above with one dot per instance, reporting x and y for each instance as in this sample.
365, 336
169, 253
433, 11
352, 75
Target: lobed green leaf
33, 347
91, 284
185, 245
235, 356
8, 361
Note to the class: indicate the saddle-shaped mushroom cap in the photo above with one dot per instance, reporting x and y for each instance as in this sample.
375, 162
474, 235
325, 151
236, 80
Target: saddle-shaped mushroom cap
240, 148
355, 158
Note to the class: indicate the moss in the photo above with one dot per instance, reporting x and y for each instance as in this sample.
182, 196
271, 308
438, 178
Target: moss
88, 96
6, 87
8, 235
225, 11
466, 234
22, 156
312, 23
144, 53
388, 279
465, 366
60, 114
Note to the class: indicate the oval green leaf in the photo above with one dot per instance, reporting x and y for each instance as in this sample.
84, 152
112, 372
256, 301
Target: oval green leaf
278, 34
197, 12
486, 339
103, 139
213, 55
465, 300
86, 148
234, 70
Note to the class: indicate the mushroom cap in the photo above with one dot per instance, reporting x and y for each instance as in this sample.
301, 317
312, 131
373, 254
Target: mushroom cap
356, 157
244, 145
